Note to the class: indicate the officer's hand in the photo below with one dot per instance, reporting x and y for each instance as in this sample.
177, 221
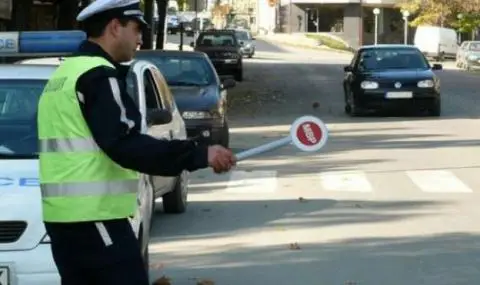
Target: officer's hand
220, 158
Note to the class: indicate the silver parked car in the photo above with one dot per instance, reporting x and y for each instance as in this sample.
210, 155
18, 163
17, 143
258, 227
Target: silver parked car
468, 55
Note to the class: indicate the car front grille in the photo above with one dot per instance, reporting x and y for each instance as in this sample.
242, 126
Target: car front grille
11, 231
222, 54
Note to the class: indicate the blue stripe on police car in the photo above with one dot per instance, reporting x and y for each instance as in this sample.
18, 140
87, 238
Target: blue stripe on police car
21, 182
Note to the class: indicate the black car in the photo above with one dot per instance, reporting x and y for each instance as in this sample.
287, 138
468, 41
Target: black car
391, 76
198, 92
223, 49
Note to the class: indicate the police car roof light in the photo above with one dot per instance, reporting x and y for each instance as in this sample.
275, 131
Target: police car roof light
40, 43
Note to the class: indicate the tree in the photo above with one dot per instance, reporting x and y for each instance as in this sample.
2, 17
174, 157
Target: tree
442, 12
431, 12
219, 13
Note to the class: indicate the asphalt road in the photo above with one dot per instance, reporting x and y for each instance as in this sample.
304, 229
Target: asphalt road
390, 200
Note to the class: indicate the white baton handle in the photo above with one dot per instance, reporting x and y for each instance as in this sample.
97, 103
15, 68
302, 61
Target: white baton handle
263, 148
307, 133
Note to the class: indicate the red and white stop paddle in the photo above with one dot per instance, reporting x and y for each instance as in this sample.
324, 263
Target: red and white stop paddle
307, 133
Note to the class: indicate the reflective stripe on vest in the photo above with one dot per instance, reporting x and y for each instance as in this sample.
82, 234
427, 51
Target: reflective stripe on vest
89, 188
68, 145
78, 181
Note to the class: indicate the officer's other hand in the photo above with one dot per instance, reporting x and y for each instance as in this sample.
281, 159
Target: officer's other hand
220, 158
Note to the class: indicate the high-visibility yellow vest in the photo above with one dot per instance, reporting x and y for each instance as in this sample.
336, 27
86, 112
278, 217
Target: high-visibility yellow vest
79, 182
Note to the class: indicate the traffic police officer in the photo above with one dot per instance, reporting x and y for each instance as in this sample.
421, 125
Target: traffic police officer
91, 150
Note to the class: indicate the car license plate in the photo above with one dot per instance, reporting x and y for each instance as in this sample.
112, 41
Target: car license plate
4, 275
399, 95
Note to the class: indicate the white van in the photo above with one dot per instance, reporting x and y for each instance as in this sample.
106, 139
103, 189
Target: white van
436, 42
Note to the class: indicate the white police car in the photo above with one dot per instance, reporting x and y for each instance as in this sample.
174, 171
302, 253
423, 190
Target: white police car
25, 257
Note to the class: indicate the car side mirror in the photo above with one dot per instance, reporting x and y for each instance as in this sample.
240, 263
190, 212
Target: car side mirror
159, 117
437, 66
228, 83
348, 68
192, 44
242, 43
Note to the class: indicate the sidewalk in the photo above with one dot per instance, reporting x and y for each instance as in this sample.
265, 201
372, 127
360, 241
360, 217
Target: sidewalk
173, 46
298, 40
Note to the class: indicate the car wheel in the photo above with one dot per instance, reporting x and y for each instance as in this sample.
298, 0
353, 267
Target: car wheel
239, 75
175, 202
350, 107
146, 252
225, 135
436, 108
146, 259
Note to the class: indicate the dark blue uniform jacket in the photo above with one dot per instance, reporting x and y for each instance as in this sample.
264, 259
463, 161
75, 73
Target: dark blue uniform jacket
119, 136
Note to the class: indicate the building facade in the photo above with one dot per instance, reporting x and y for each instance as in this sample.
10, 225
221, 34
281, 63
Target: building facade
351, 20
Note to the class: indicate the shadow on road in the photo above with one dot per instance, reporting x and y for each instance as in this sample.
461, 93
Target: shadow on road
441, 259
228, 217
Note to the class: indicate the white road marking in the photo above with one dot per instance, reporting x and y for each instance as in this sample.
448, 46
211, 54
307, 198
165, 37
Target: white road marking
438, 181
252, 182
349, 181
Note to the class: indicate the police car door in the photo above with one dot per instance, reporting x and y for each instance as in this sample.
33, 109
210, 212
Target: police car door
177, 126
153, 101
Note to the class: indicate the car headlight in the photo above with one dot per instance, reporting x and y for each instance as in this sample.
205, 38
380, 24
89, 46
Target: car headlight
425, 83
369, 85
196, 115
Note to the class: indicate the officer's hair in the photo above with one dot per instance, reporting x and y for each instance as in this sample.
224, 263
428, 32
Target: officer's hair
95, 26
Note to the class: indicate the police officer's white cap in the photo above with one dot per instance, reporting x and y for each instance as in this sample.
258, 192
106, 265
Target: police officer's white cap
113, 8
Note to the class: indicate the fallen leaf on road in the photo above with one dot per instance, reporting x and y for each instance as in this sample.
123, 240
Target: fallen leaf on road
302, 200
315, 105
358, 206
162, 281
294, 246
156, 265
205, 282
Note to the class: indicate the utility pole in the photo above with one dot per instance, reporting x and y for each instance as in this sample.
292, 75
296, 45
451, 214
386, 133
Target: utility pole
162, 6
147, 36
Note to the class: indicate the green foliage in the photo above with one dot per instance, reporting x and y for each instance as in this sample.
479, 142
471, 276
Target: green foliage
443, 13
467, 23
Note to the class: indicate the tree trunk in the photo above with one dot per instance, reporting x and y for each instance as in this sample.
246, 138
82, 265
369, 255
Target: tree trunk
148, 34
67, 13
21, 16
162, 6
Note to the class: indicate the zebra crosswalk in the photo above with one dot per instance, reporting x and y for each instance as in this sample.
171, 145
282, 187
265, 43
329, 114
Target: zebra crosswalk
456, 181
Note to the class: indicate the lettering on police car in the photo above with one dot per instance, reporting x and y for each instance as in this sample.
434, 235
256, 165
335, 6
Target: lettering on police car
9, 42
21, 182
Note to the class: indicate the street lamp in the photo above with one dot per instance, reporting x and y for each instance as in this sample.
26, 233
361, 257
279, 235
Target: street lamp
459, 17
376, 11
405, 14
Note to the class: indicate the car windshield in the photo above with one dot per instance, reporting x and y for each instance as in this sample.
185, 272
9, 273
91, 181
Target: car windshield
242, 36
474, 47
183, 70
387, 59
18, 117
215, 40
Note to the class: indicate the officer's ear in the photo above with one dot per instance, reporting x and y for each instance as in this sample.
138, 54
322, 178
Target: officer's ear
116, 25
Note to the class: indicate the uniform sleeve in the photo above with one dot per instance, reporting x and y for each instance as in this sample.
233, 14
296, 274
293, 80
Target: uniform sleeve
114, 121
